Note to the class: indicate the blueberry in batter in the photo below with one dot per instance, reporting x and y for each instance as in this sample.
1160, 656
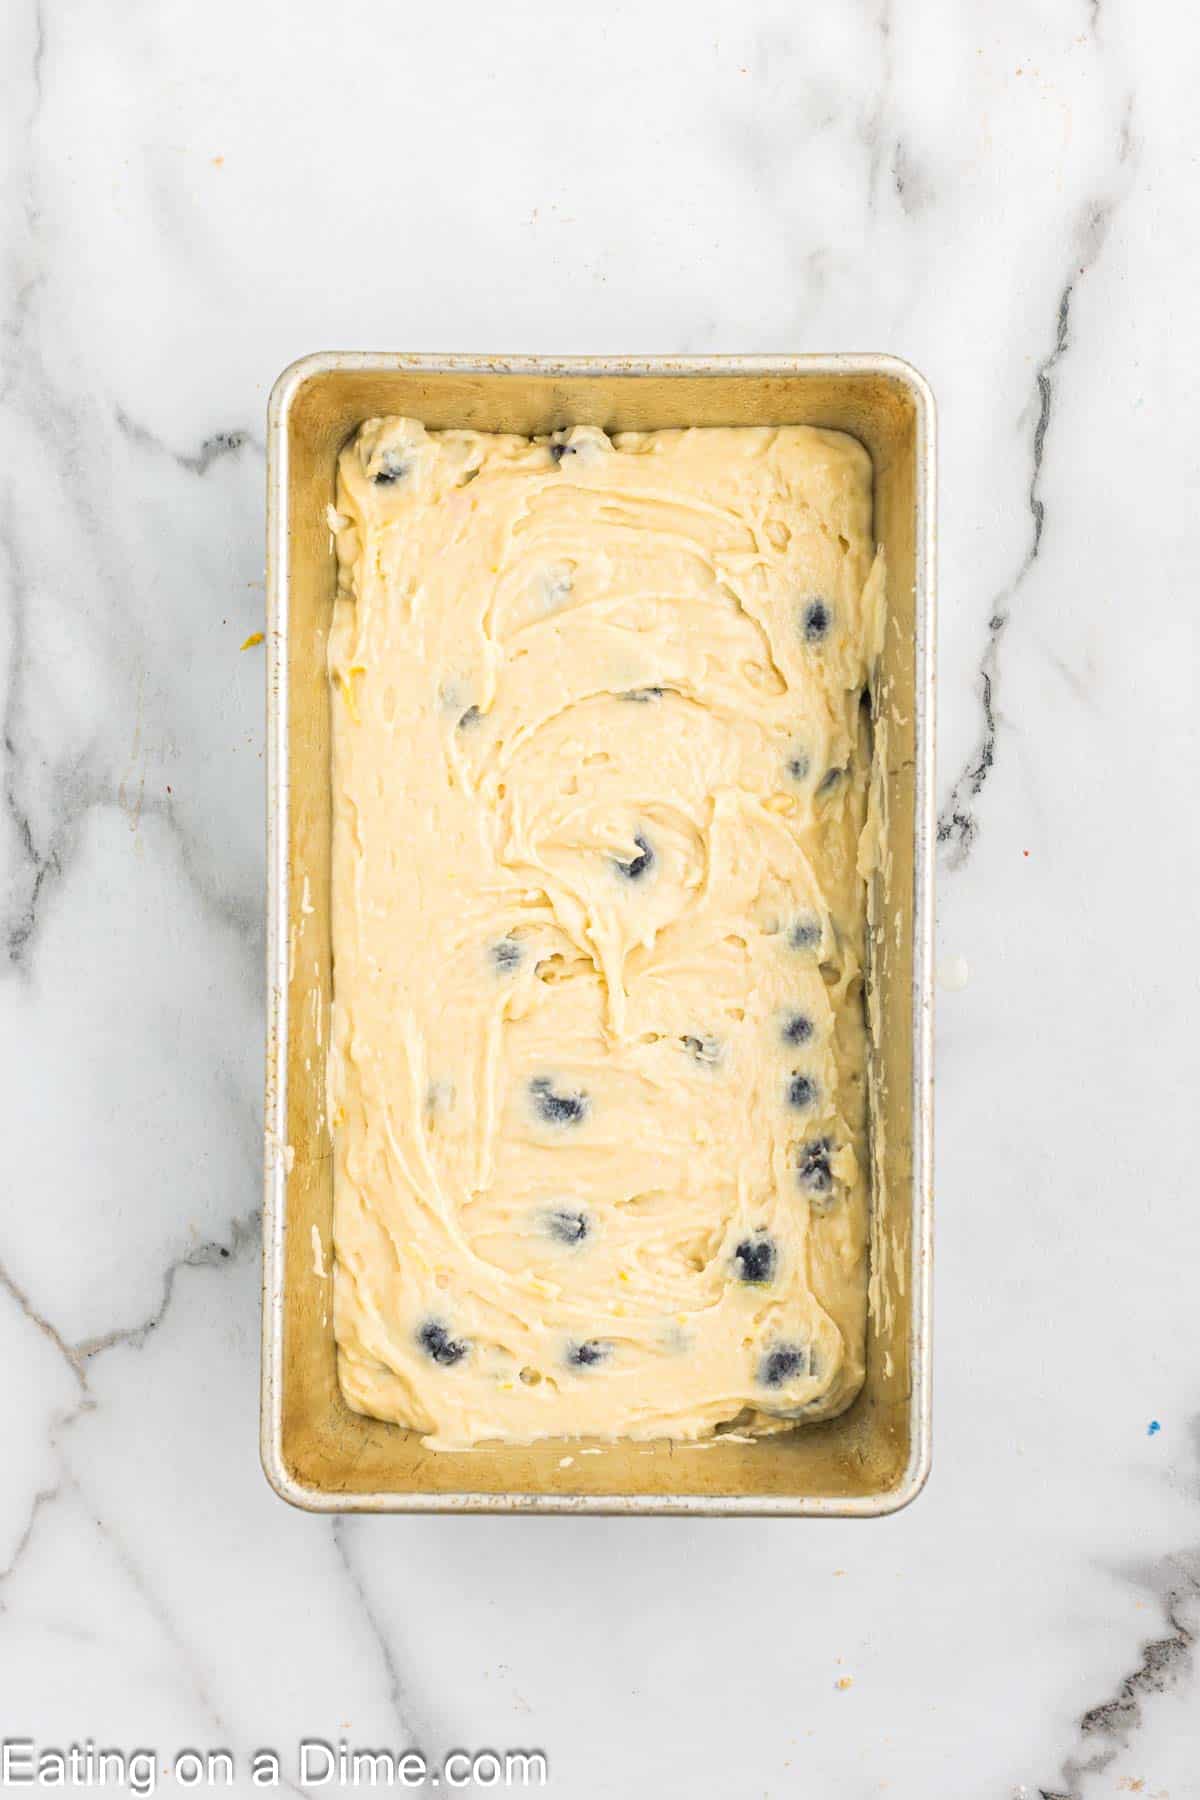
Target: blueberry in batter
805, 933
437, 1343
390, 469
755, 1258
813, 1166
818, 617
639, 865
798, 1029
556, 1108
782, 1363
568, 1227
802, 1091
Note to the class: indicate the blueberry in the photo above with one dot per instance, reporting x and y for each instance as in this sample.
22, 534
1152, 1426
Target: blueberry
587, 1355
641, 863
798, 1029
558, 451
392, 468
506, 954
818, 617
568, 1227
802, 1091
829, 781
784, 1361
755, 1259
702, 1049
436, 1342
805, 933
798, 765
643, 696
812, 1166
471, 717
554, 1108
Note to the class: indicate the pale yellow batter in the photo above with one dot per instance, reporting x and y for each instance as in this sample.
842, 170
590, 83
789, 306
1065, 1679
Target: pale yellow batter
598, 1066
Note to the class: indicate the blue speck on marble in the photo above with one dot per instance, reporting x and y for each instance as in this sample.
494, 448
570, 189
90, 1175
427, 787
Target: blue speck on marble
1153, 1428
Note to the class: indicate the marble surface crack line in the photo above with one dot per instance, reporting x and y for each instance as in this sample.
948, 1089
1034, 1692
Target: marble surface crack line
397, 1698
213, 449
958, 824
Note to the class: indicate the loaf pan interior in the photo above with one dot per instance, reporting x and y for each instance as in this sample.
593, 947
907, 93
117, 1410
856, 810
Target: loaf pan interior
318, 1453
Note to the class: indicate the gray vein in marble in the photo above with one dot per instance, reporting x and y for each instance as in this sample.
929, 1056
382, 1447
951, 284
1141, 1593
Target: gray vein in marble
162, 1618
136, 1577
213, 1254
39, 51
244, 1236
912, 187
44, 863
199, 462
909, 185
958, 825
413, 1734
79, 790
43, 1497
1164, 1664
24, 290
22, 916
48, 864
873, 125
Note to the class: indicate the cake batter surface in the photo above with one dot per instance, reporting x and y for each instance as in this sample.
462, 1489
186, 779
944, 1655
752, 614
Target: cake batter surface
598, 1062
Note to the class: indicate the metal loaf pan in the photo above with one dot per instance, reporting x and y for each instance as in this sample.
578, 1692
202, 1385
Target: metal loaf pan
316, 1452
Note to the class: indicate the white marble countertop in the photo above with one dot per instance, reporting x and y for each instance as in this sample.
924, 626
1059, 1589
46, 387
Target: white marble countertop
195, 195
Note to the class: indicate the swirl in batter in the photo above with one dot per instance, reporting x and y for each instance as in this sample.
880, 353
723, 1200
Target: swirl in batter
601, 756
